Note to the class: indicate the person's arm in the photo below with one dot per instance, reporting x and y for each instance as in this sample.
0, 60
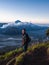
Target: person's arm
24, 40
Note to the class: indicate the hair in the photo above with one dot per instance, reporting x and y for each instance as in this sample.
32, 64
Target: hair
24, 29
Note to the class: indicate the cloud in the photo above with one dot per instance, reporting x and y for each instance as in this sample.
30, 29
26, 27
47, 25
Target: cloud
8, 24
12, 24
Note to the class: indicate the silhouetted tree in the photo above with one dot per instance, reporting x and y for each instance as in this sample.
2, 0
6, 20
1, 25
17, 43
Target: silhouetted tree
47, 32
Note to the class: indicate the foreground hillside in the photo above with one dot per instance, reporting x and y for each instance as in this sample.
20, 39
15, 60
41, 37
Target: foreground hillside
37, 54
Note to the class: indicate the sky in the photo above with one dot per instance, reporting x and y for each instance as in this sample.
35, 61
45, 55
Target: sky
35, 11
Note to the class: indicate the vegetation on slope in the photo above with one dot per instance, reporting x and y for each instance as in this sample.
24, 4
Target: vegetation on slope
36, 54
9, 54
47, 32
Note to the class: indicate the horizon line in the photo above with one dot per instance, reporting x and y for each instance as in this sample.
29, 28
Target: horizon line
21, 21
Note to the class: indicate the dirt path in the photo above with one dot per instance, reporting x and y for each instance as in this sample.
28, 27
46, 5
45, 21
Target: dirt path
10, 60
13, 60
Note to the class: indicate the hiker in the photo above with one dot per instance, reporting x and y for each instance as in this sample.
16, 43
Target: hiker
25, 40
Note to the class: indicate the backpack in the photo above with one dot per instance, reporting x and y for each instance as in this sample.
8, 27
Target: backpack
28, 38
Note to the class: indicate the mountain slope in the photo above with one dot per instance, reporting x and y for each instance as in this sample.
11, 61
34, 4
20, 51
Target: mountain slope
15, 28
36, 54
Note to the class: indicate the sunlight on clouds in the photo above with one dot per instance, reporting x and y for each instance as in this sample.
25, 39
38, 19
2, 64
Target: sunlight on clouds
37, 20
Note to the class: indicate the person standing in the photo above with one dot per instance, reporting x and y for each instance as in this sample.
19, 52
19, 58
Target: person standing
25, 40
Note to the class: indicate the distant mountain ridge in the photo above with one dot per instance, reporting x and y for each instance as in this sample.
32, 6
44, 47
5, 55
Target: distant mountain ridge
17, 26
45, 25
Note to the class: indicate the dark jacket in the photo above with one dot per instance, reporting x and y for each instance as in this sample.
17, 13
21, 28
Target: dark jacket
25, 39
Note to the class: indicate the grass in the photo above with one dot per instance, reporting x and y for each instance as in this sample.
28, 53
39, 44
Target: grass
31, 48
20, 58
9, 54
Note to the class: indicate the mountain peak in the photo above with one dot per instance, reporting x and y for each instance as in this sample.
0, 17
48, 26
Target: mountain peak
17, 21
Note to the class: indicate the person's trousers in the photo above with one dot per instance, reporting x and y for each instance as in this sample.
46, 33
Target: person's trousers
25, 47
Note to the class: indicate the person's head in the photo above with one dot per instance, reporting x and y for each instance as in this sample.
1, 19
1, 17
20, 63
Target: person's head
23, 31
